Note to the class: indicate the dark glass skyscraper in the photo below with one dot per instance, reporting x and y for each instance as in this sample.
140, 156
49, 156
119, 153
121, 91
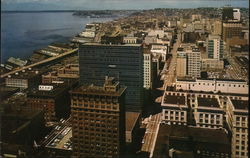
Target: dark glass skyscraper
124, 62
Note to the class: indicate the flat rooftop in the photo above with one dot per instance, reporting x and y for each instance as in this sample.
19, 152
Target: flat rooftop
208, 102
174, 99
97, 90
169, 136
240, 104
131, 119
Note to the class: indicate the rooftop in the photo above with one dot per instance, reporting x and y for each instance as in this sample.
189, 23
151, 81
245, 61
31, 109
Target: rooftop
208, 102
110, 88
131, 119
201, 138
240, 104
174, 99
57, 90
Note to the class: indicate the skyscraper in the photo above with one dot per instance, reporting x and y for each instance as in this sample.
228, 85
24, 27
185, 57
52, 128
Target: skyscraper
98, 120
215, 47
232, 25
227, 14
124, 62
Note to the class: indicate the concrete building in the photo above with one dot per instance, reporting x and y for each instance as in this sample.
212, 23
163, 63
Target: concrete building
172, 23
124, 62
236, 14
147, 70
174, 108
212, 64
130, 40
25, 79
194, 62
54, 100
191, 142
181, 60
132, 126
69, 71
50, 77
208, 113
217, 28
156, 33
237, 119
215, 47
159, 49
231, 29
213, 85
98, 119
196, 17
21, 126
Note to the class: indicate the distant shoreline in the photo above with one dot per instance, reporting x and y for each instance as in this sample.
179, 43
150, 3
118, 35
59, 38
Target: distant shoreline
33, 11
40, 11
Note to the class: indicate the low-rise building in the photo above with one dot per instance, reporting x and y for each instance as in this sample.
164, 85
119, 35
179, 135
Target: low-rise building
174, 108
208, 113
132, 125
159, 49
191, 142
212, 64
24, 79
213, 85
130, 40
53, 99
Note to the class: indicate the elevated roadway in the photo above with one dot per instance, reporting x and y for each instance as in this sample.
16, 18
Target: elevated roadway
39, 63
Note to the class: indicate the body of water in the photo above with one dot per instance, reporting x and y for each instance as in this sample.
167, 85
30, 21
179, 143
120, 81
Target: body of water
21, 33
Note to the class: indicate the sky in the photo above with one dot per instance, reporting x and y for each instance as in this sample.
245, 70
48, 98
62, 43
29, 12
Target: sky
114, 4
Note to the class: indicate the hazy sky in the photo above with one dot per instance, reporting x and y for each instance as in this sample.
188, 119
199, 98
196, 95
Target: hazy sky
114, 4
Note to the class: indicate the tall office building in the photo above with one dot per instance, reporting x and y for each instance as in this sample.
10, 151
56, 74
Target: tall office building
124, 62
194, 62
147, 67
181, 67
215, 47
232, 25
227, 13
98, 120
231, 29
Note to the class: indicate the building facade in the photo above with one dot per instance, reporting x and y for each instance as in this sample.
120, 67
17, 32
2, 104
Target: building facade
237, 119
213, 85
174, 108
231, 29
194, 63
124, 62
98, 120
181, 60
147, 68
208, 113
215, 47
